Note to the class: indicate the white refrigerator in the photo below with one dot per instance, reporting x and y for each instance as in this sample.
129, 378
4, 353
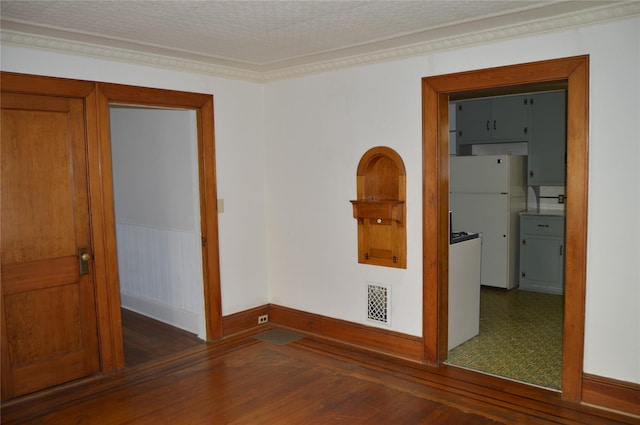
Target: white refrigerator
486, 194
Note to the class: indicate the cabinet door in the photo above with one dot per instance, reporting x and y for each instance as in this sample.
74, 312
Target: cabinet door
473, 121
509, 119
542, 264
492, 120
547, 148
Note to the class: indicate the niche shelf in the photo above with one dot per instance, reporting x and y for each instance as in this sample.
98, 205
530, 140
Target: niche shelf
380, 208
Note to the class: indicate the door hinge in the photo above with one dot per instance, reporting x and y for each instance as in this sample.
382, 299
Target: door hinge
366, 256
395, 259
204, 241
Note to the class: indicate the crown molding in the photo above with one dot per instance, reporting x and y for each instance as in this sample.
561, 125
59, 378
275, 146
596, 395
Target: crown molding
41, 42
536, 27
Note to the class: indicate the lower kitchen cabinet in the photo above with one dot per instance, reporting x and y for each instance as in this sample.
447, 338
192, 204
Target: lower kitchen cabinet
542, 253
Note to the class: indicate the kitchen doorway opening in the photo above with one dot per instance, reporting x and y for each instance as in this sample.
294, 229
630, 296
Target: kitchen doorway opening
437, 92
506, 302
158, 237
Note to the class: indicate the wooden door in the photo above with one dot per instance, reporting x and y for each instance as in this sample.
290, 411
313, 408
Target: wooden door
49, 329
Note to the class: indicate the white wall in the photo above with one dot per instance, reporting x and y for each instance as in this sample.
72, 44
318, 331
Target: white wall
317, 127
310, 133
155, 180
240, 150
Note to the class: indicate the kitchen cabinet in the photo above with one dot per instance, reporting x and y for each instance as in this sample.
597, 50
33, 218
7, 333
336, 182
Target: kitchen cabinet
542, 253
492, 120
548, 144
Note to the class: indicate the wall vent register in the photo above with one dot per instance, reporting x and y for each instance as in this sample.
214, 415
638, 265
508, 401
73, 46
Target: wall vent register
378, 297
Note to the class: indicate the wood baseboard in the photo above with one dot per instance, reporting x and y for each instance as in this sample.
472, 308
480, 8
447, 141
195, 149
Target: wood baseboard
611, 394
243, 321
600, 392
371, 338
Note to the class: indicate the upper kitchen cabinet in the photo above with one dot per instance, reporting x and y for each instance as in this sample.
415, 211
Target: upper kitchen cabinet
492, 120
548, 145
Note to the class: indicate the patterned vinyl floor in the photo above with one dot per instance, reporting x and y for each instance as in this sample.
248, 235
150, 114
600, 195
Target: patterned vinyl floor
520, 337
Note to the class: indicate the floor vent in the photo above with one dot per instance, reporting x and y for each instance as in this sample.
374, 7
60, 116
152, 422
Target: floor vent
378, 301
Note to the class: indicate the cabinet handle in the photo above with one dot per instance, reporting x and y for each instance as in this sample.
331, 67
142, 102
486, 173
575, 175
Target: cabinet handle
488, 125
560, 250
531, 173
524, 242
543, 225
494, 124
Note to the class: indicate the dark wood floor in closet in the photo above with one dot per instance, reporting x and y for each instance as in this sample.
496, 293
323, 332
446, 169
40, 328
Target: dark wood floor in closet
146, 339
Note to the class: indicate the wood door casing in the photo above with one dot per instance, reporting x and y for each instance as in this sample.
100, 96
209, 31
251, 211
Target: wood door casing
49, 324
118, 94
572, 72
96, 98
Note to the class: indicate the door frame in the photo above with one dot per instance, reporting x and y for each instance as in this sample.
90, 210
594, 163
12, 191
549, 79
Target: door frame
101, 167
573, 72
97, 98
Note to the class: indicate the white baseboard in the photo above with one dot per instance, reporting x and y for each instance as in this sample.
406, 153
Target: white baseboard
182, 319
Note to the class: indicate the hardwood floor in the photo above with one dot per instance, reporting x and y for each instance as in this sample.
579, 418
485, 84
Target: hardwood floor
146, 339
244, 380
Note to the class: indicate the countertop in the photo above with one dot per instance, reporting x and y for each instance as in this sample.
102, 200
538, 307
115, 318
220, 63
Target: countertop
555, 212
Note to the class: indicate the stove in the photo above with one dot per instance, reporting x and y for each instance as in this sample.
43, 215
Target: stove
456, 237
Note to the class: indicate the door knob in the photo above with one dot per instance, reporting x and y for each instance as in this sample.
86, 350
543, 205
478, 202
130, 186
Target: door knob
84, 257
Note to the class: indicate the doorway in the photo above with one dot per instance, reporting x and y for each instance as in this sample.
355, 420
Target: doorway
157, 213
87, 105
436, 94
507, 188
193, 214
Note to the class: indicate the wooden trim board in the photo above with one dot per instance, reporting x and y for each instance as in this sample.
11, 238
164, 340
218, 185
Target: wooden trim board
612, 394
365, 337
243, 321
436, 90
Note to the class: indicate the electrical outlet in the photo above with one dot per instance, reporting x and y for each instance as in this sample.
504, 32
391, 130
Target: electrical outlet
263, 319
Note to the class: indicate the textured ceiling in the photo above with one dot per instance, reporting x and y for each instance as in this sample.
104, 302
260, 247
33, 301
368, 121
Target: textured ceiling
268, 35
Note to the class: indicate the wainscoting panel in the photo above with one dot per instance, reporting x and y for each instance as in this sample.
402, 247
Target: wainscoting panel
160, 272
